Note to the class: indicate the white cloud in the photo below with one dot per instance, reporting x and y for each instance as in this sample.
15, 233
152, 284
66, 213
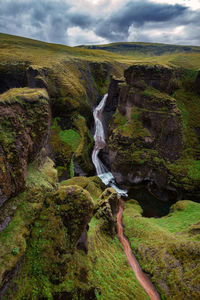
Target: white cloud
193, 4
78, 36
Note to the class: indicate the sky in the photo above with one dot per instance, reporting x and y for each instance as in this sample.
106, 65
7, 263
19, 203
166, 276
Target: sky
78, 22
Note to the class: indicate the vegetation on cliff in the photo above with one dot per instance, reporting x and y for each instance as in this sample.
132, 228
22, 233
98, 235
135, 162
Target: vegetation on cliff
155, 130
24, 126
167, 248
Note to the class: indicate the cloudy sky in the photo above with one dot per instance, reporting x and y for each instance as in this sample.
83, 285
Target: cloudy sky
76, 22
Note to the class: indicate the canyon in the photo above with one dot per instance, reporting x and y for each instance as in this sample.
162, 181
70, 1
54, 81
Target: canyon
79, 129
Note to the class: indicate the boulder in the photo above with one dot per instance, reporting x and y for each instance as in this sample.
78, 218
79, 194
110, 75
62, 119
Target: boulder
75, 206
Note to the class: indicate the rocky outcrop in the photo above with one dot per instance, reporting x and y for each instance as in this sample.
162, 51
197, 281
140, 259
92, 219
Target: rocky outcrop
158, 77
113, 94
75, 207
106, 209
146, 136
24, 126
12, 75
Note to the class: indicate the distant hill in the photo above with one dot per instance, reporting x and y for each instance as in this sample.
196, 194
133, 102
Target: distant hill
137, 48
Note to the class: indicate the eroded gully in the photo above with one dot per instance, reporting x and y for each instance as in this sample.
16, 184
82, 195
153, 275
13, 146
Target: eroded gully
108, 179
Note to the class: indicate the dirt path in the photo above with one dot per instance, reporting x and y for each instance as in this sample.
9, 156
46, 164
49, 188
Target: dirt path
140, 275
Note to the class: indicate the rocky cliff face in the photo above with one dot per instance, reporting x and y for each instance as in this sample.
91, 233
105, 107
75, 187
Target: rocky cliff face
24, 127
41, 222
146, 137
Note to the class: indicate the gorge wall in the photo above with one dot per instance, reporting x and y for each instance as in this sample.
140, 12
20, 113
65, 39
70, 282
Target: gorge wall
151, 138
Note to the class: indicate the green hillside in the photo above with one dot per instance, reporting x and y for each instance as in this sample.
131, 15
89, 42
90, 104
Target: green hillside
133, 48
166, 54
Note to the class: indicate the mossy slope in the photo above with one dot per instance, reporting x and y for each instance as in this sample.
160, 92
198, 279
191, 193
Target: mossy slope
167, 248
47, 235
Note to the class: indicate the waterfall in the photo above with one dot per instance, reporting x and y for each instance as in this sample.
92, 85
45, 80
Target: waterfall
99, 138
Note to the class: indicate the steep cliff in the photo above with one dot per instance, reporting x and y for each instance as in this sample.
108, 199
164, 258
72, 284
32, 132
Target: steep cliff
153, 138
24, 127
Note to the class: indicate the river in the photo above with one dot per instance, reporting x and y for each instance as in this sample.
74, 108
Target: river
109, 180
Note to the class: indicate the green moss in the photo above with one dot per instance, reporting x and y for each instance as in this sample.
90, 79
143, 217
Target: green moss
188, 103
132, 128
76, 143
48, 266
20, 95
71, 169
13, 239
165, 249
119, 119
70, 137
109, 269
187, 168
157, 95
15, 251
134, 114
194, 170
7, 136
93, 185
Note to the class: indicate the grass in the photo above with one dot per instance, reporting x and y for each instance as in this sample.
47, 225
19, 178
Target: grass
166, 248
156, 95
69, 63
110, 269
75, 143
23, 94
183, 214
70, 137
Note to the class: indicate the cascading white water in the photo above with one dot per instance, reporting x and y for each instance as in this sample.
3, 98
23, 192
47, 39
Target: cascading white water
99, 138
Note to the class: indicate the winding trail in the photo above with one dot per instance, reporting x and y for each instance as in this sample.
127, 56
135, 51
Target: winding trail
140, 275
108, 179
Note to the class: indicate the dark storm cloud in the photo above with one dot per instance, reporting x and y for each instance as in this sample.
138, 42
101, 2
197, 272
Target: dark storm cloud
82, 20
49, 20
138, 13
46, 20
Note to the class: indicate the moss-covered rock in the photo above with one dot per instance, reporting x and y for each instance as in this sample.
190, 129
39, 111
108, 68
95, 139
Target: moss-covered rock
24, 125
75, 206
93, 185
21, 212
49, 234
157, 76
153, 138
106, 209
